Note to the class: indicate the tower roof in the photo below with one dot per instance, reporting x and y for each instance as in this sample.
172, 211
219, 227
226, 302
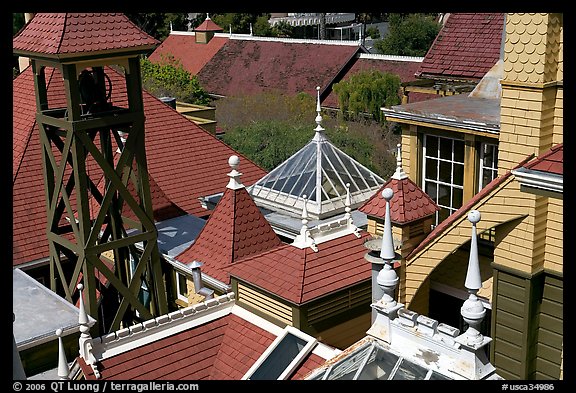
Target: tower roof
321, 171
208, 25
236, 229
409, 202
66, 35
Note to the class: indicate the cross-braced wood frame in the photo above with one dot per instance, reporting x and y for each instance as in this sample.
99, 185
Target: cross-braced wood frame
98, 201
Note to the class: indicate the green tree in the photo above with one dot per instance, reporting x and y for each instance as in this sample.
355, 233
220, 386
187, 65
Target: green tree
408, 35
365, 92
158, 24
283, 29
169, 78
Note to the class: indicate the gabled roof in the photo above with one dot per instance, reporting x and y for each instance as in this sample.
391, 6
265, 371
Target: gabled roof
403, 66
551, 162
408, 204
215, 339
444, 225
181, 159
302, 275
465, 49
71, 34
273, 65
192, 55
236, 229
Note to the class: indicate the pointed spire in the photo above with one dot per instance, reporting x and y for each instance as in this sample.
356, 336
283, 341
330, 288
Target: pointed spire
347, 203
251, 29
304, 239
304, 228
387, 278
234, 183
387, 251
171, 27
399, 174
82, 316
473, 310
63, 368
318, 119
230, 30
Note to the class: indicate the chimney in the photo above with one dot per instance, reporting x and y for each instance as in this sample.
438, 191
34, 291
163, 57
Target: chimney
197, 280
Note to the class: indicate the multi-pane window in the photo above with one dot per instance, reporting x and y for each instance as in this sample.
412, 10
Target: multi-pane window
182, 287
488, 164
443, 170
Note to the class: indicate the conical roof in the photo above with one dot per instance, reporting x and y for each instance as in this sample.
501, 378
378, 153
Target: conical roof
318, 172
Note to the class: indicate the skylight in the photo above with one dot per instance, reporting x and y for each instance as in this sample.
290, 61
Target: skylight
372, 361
282, 356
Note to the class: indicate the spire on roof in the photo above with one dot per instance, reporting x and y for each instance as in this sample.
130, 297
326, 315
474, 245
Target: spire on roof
85, 340
234, 183
304, 239
347, 203
399, 174
319, 129
63, 368
473, 310
387, 278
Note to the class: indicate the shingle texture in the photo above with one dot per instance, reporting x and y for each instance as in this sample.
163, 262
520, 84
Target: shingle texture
466, 48
77, 33
243, 67
182, 160
302, 275
222, 349
408, 204
552, 161
236, 229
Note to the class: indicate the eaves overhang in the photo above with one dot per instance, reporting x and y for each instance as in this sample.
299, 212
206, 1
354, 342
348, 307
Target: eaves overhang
538, 179
439, 121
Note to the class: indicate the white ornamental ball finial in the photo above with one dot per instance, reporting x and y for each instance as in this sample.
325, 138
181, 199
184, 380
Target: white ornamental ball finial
234, 161
80, 286
474, 216
59, 332
387, 194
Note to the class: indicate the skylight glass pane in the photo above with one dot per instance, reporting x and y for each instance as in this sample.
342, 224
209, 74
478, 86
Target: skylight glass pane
346, 368
380, 367
410, 371
438, 376
280, 358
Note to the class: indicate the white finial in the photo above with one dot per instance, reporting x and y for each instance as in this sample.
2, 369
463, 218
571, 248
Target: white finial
318, 109
208, 16
171, 27
347, 202
387, 250
234, 183
399, 174
230, 30
303, 239
63, 368
82, 316
473, 310
251, 29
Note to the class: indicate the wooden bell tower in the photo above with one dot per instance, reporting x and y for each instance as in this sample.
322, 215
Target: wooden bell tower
90, 116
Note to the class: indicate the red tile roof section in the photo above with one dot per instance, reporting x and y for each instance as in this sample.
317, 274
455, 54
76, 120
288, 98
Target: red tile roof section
236, 229
182, 160
208, 25
289, 68
302, 275
408, 204
551, 161
75, 33
466, 48
444, 225
191, 55
222, 349
404, 69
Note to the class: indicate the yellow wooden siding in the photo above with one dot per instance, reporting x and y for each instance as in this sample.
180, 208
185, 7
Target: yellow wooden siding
347, 333
550, 330
554, 236
265, 304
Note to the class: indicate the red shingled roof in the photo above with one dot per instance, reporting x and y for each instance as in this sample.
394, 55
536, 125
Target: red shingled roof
301, 275
191, 55
408, 204
551, 161
182, 159
236, 229
57, 34
243, 67
466, 48
208, 25
404, 69
222, 349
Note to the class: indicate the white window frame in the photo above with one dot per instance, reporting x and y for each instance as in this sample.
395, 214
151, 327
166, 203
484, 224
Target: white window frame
178, 292
493, 169
311, 342
437, 181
